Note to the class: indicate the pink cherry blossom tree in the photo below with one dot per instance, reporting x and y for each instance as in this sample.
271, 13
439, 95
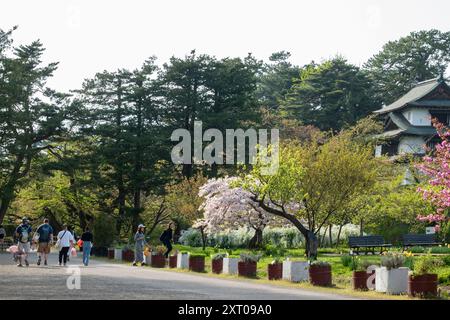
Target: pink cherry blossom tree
437, 168
227, 206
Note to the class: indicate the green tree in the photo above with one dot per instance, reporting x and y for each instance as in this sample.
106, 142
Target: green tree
220, 93
31, 114
276, 79
330, 95
314, 183
402, 63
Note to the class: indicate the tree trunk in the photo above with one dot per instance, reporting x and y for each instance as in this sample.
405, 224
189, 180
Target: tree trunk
257, 240
202, 231
330, 235
339, 235
361, 225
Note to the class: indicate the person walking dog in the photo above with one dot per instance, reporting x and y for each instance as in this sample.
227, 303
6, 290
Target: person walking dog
166, 239
139, 238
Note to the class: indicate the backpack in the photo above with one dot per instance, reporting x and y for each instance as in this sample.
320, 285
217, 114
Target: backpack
24, 235
163, 236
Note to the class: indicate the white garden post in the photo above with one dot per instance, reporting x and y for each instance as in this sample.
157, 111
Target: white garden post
117, 254
394, 281
230, 265
183, 261
295, 271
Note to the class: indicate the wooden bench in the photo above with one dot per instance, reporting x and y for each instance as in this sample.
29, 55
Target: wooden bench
368, 243
411, 240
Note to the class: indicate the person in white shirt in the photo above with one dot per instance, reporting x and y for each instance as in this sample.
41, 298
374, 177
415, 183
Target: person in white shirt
66, 240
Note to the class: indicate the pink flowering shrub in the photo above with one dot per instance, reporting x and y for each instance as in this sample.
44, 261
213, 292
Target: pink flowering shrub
437, 168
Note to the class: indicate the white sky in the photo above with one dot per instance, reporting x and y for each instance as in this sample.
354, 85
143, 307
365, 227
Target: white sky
87, 36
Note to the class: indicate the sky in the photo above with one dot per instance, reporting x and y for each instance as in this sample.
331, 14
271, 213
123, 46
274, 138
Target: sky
89, 36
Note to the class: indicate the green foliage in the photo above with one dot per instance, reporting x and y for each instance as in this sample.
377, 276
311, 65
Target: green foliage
218, 256
159, 250
197, 255
393, 260
250, 257
320, 263
331, 95
426, 264
420, 56
274, 251
347, 260
104, 230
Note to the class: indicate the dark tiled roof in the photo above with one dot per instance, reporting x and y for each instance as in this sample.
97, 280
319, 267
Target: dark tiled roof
416, 93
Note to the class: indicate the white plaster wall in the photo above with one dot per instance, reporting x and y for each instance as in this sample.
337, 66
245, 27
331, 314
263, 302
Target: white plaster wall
418, 116
411, 144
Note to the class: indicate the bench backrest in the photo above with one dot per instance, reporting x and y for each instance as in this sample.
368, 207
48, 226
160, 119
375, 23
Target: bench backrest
418, 239
365, 240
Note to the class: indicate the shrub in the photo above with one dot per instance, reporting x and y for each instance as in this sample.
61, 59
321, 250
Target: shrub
197, 255
440, 250
159, 250
104, 230
250, 257
277, 260
320, 263
426, 264
218, 256
446, 260
393, 260
444, 277
347, 260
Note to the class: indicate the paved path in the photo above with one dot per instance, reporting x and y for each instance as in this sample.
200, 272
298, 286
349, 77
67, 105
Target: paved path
103, 280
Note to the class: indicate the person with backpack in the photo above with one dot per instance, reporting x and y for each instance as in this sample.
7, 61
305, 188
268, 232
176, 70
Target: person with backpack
23, 236
139, 238
44, 236
87, 239
166, 239
65, 241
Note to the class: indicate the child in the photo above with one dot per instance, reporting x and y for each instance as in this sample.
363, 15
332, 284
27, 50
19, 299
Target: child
16, 253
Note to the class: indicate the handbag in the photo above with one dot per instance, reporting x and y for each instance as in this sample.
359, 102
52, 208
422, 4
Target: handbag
58, 243
36, 237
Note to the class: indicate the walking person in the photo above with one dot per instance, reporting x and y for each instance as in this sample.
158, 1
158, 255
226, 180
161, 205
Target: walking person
65, 239
2, 236
87, 238
75, 239
45, 240
166, 239
23, 236
139, 238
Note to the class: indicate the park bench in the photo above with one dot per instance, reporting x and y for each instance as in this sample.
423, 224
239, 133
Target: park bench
368, 243
411, 240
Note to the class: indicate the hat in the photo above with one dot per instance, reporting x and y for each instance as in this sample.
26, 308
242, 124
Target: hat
141, 226
24, 219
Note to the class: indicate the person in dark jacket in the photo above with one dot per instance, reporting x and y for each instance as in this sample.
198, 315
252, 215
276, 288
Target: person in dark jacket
166, 239
87, 238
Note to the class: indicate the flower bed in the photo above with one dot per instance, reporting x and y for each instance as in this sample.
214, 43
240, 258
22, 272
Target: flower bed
158, 261
128, 255
197, 262
110, 253
247, 268
173, 261
422, 285
217, 263
275, 271
320, 274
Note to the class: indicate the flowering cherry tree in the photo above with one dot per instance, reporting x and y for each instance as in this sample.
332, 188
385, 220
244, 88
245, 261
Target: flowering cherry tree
437, 168
227, 206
